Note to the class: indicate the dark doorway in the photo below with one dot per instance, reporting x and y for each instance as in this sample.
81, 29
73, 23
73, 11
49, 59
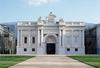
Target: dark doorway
50, 48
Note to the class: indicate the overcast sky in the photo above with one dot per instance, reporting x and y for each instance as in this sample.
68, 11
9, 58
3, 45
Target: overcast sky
30, 10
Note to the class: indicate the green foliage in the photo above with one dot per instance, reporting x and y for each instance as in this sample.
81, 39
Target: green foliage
6, 61
90, 60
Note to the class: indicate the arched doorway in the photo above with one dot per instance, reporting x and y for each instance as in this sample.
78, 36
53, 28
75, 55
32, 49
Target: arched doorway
50, 45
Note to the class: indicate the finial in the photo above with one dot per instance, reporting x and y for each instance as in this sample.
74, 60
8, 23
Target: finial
61, 20
50, 12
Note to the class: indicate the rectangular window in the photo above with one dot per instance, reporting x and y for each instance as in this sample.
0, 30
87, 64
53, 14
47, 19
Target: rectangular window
68, 49
25, 40
33, 39
76, 49
25, 49
33, 49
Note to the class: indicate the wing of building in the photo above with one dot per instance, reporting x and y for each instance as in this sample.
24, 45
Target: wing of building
49, 36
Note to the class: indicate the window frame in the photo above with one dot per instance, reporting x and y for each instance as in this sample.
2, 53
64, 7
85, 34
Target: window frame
76, 49
25, 40
68, 49
33, 49
25, 49
33, 40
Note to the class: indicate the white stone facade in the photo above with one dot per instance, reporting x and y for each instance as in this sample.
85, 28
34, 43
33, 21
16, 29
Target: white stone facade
50, 37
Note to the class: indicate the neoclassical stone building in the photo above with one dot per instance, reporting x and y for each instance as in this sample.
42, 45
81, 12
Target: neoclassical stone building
50, 36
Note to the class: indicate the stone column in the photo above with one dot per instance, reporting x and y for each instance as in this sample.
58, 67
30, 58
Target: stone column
29, 38
21, 39
61, 36
82, 41
40, 37
40, 42
18, 37
82, 37
63, 46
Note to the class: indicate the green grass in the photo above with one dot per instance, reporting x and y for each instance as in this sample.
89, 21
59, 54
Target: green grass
7, 61
93, 60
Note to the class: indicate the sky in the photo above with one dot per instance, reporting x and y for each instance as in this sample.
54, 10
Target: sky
30, 10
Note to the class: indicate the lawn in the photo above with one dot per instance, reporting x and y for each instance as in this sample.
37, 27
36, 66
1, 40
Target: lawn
6, 61
93, 60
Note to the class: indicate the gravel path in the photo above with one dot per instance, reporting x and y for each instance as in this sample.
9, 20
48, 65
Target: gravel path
51, 62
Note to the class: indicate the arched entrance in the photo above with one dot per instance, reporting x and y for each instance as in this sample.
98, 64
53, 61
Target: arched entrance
50, 45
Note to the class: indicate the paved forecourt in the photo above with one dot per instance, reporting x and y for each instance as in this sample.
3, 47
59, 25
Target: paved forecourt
51, 61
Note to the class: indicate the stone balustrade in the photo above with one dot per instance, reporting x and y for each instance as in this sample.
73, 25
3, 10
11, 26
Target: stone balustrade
25, 23
28, 23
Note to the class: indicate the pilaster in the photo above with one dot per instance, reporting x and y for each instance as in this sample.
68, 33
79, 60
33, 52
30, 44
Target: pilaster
61, 40
29, 35
40, 49
82, 37
18, 37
